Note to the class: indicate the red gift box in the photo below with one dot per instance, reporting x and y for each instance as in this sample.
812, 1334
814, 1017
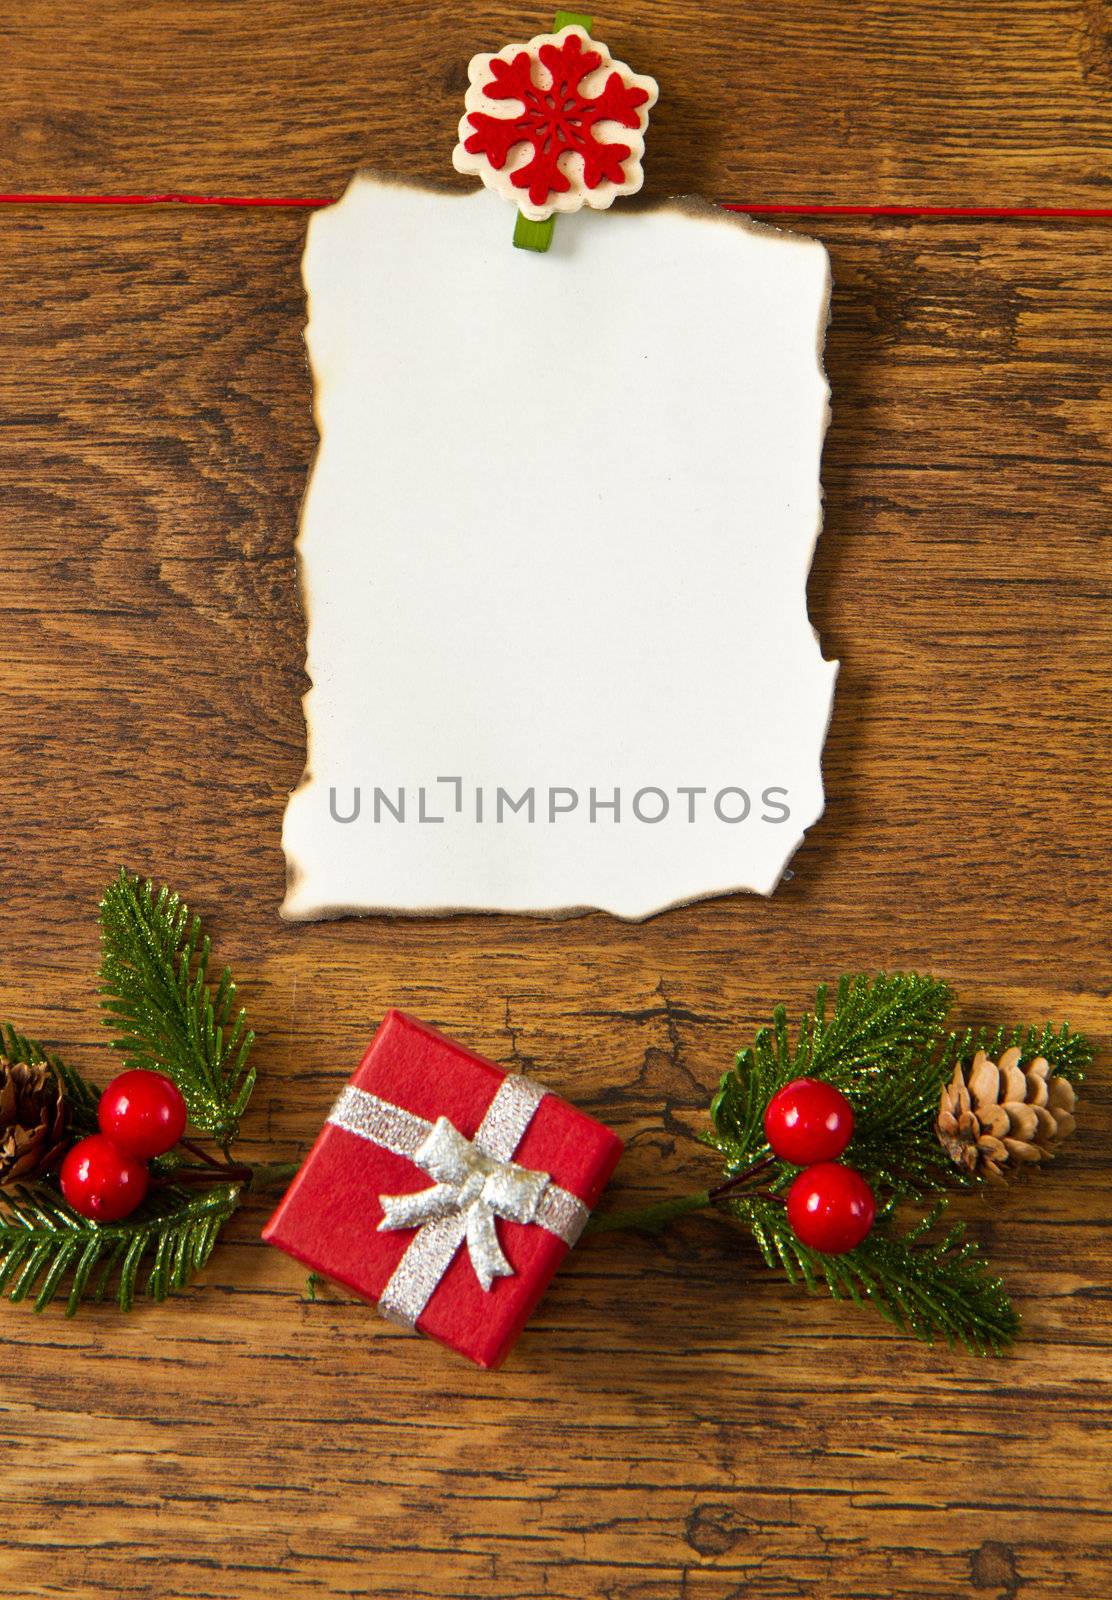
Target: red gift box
444, 1189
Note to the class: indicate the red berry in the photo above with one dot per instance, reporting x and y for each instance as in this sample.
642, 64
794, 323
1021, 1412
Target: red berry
102, 1182
808, 1121
830, 1208
143, 1113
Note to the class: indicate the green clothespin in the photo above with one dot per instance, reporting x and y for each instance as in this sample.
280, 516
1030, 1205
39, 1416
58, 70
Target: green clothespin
530, 235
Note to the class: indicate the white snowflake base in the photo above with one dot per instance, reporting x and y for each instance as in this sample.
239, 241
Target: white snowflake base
599, 195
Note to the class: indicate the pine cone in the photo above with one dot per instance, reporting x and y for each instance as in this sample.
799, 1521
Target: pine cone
997, 1115
33, 1118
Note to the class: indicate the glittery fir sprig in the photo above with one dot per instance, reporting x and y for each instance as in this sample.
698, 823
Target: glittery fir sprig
835, 1150
182, 1034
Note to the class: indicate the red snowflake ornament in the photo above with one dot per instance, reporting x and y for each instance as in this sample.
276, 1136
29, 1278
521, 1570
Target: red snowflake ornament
575, 132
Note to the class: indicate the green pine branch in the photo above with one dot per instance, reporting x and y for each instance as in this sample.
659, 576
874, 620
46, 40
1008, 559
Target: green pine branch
928, 1283
81, 1096
884, 1043
880, 1044
885, 1046
1070, 1054
44, 1244
167, 1014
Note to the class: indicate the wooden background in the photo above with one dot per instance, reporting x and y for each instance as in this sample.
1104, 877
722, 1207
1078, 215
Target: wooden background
677, 1424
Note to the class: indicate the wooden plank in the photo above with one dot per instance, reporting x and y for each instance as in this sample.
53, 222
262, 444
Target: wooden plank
677, 1424
985, 101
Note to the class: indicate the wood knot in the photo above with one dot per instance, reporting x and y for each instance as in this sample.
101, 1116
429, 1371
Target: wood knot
713, 1529
992, 1566
455, 78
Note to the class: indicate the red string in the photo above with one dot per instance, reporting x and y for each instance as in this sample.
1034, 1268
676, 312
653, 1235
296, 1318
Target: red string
306, 202
782, 209
789, 209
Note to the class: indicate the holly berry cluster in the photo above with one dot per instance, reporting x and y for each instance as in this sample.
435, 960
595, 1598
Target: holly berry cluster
141, 1115
830, 1206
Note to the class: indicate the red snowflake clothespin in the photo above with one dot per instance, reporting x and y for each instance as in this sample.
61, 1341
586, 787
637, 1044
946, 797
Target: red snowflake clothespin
554, 124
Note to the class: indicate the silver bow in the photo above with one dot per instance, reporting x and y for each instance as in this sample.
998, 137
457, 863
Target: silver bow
476, 1182
472, 1185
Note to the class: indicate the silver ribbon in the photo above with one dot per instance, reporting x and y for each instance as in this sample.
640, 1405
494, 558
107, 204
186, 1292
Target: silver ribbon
475, 1182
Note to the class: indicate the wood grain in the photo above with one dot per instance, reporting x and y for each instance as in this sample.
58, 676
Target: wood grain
677, 1424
